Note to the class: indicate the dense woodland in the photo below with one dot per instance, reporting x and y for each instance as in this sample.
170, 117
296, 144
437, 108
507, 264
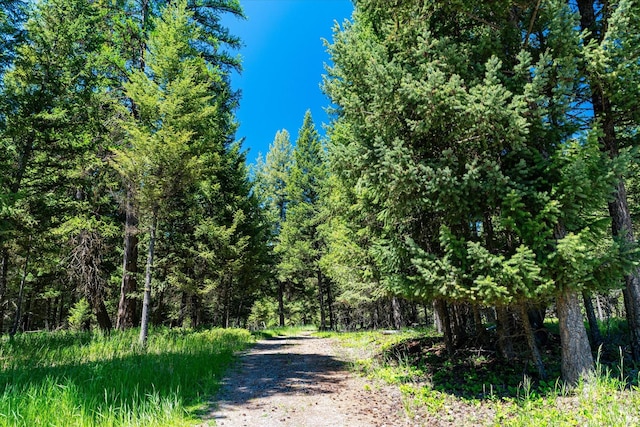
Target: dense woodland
479, 174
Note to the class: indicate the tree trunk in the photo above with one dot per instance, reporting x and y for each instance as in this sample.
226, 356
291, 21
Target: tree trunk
599, 305
621, 223
47, 314
27, 315
332, 320
127, 310
594, 329
195, 311
281, 303
182, 314
23, 281
445, 320
323, 320
146, 302
102, 315
503, 329
438, 323
577, 360
478, 326
227, 305
127, 304
459, 323
60, 311
397, 313
531, 341
4, 272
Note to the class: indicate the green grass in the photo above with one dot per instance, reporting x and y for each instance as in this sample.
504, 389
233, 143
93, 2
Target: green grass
474, 389
84, 379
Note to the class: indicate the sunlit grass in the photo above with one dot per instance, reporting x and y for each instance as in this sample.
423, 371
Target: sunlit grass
83, 379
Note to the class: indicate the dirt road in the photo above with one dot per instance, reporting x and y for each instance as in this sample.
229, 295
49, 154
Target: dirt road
301, 381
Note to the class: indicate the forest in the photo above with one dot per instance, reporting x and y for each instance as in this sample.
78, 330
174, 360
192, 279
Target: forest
479, 174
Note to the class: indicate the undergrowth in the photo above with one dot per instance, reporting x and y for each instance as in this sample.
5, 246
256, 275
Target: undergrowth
90, 379
476, 387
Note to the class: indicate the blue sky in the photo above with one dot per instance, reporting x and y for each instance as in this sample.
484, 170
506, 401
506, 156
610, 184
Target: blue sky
283, 57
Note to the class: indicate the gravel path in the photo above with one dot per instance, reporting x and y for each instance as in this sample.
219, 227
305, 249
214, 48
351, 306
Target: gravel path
301, 381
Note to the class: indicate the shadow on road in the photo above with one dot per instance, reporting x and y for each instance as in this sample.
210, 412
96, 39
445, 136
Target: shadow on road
281, 366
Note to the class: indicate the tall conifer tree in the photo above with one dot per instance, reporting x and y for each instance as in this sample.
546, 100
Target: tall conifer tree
272, 177
174, 110
301, 244
51, 106
611, 63
460, 137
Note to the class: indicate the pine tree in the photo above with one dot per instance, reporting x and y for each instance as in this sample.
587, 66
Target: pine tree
131, 24
174, 108
51, 108
348, 261
612, 70
301, 245
272, 177
461, 141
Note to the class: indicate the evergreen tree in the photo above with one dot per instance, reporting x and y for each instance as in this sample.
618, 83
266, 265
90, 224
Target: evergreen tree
232, 243
131, 22
460, 140
349, 232
175, 110
272, 177
51, 106
612, 70
301, 244
83, 87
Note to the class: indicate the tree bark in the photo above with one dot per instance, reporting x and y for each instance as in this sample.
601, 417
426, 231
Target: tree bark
146, 302
577, 360
4, 272
182, 313
323, 320
195, 311
23, 282
531, 341
478, 326
227, 305
281, 303
445, 320
503, 328
599, 305
621, 223
594, 329
438, 323
60, 311
102, 315
332, 320
127, 304
459, 322
397, 313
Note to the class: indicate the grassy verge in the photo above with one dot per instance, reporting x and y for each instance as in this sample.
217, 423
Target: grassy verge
83, 379
475, 388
